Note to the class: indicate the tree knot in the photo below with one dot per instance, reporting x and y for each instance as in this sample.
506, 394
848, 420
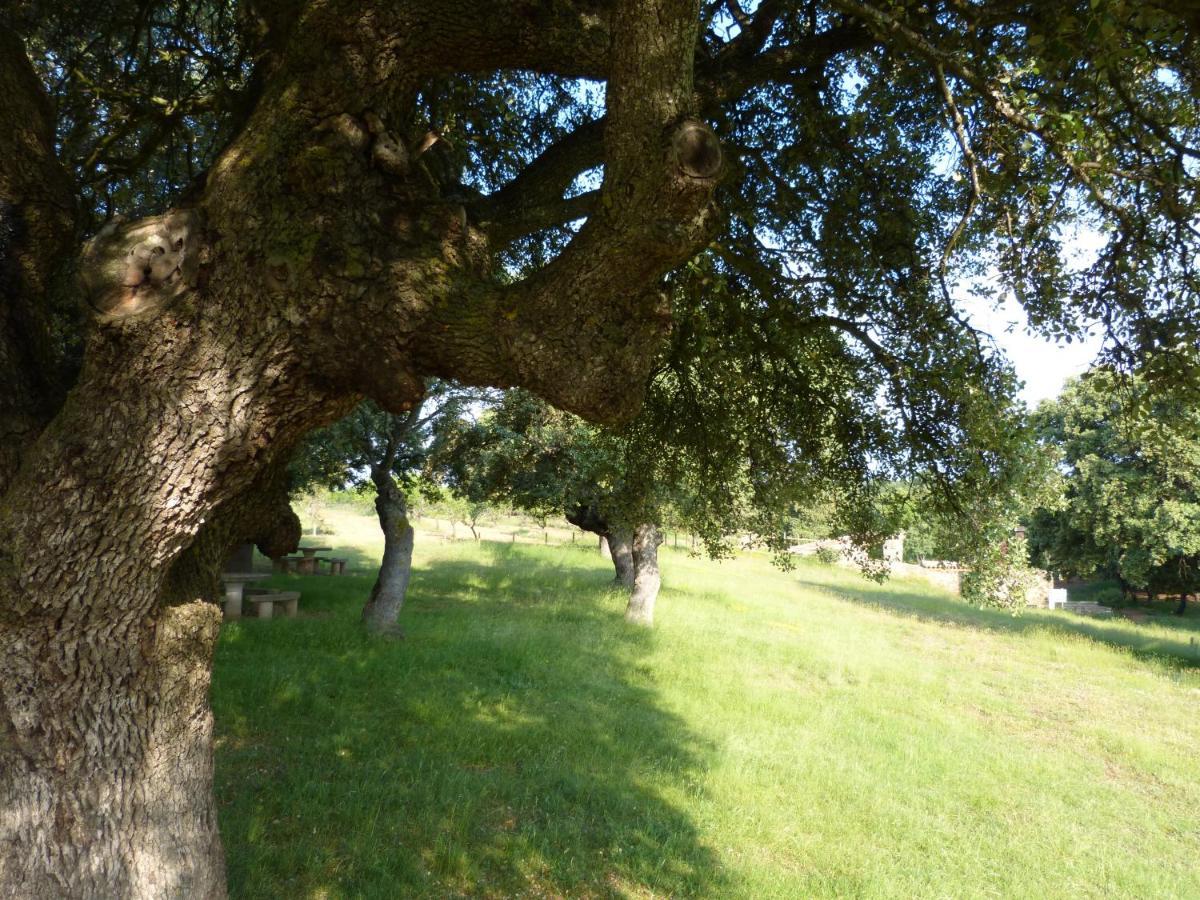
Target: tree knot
695, 150
129, 268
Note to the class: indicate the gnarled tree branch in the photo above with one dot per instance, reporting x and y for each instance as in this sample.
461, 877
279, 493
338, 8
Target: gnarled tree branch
653, 212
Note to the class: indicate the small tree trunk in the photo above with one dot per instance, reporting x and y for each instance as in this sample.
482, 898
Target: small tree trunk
1182, 607
647, 579
387, 596
620, 544
604, 550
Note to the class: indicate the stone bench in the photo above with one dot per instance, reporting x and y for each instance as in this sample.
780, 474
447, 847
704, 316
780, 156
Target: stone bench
264, 602
337, 565
234, 585
286, 564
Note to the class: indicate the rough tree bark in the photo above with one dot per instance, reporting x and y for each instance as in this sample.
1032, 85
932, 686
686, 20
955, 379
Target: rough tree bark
646, 578
278, 531
313, 267
391, 585
620, 545
618, 540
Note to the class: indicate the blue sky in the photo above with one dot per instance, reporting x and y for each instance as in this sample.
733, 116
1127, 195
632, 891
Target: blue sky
1041, 364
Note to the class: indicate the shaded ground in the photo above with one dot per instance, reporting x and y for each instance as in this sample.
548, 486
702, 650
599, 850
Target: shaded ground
498, 748
807, 734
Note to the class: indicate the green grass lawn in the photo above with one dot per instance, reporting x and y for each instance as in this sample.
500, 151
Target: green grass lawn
778, 735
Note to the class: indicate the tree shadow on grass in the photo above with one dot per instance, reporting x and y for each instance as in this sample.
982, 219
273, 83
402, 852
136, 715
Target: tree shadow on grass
1175, 644
366, 563
556, 566
511, 745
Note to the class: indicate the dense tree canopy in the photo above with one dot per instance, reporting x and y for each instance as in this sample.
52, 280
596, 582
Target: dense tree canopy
1131, 502
873, 152
874, 156
347, 452
387, 451
344, 198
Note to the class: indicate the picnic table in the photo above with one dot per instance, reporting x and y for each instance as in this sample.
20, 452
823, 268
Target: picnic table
235, 590
307, 565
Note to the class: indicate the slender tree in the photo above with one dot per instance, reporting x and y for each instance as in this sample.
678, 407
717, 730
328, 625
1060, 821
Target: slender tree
387, 451
331, 199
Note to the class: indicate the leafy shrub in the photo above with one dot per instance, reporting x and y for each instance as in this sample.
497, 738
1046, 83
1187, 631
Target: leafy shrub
828, 555
1109, 596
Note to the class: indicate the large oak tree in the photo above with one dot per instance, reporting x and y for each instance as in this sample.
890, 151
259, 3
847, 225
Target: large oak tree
1130, 505
331, 199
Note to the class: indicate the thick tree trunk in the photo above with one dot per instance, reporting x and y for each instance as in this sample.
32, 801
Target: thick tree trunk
616, 543
318, 264
114, 797
387, 596
620, 545
280, 532
646, 579
106, 733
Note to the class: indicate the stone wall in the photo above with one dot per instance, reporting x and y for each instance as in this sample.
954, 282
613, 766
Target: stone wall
1038, 593
948, 579
942, 574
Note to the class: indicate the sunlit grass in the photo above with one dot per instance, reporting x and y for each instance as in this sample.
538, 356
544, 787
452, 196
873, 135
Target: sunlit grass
778, 735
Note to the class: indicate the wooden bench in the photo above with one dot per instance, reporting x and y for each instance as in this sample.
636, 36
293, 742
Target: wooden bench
265, 601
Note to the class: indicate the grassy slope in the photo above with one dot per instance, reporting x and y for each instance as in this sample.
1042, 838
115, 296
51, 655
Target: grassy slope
778, 735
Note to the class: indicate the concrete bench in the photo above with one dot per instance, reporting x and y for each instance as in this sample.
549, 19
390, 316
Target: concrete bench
337, 565
285, 564
234, 584
264, 602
